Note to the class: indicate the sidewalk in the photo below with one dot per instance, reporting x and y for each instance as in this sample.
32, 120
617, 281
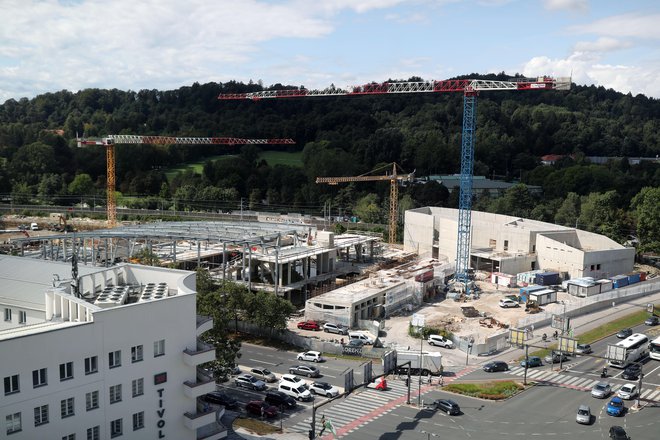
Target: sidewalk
580, 324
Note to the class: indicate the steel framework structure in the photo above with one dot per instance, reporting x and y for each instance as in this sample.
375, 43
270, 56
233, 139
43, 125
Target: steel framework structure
470, 89
110, 141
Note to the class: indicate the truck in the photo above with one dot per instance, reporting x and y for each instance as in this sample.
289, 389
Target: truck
424, 362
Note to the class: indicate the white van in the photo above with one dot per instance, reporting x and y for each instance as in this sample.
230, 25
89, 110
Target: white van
298, 392
361, 337
34, 227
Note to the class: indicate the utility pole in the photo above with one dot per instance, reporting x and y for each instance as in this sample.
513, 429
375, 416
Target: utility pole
526, 364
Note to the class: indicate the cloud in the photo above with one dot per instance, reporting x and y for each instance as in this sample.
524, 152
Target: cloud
635, 25
603, 44
571, 5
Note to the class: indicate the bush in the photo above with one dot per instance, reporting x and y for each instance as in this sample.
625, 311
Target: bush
426, 331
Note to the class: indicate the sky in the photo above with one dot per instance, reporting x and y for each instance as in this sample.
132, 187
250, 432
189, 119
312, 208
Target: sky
51, 45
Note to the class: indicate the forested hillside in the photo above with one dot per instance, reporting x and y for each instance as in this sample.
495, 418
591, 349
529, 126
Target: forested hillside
39, 160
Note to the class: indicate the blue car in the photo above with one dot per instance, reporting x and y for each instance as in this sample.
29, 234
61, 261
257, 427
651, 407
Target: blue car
532, 361
615, 407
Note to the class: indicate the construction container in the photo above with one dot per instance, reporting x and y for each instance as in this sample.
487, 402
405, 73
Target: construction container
527, 277
619, 281
547, 278
503, 279
530, 288
542, 297
605, 285
642, 276
634, 278
582, 287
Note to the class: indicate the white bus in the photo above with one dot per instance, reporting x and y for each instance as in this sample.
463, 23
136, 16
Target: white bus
637, 347
654, 349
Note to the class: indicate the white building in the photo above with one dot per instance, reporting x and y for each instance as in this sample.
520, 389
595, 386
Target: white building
120, 362
512, 244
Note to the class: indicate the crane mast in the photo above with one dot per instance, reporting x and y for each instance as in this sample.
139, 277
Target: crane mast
470, 89
110, 141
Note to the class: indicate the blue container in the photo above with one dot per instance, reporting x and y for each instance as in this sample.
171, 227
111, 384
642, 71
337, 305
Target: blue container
619, 281
547, 278
634, 278
532, 288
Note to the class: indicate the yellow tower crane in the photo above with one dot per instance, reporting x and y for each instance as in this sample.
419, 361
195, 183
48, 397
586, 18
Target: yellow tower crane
393, 177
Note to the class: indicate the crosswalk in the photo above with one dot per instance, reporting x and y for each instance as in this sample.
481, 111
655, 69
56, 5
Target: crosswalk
359, 406
576, 382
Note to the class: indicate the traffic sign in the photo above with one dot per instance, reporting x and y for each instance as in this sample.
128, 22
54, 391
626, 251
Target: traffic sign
616, 353
517, 337
567, 345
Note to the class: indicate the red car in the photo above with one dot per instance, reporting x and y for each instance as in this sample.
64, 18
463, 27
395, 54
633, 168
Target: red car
260, 408
309, 325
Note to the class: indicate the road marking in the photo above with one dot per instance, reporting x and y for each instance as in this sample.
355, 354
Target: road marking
264, 362
572, 380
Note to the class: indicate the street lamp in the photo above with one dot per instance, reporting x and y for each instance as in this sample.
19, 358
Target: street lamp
429, 434
469, 349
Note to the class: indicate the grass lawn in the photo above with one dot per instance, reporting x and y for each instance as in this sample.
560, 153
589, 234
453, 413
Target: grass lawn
486, 390
255, 426
273, 158
195, 166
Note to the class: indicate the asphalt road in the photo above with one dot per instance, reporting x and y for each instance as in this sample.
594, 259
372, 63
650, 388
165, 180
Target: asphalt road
541, 412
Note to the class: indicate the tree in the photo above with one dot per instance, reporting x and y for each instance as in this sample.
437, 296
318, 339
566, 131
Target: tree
271, 311
600, 213
368, 210
647, 213
82, 185
569, 211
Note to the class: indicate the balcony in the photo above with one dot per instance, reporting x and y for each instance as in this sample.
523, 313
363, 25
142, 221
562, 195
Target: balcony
205, 415
214, 431
200, 354
203, 384
204, 324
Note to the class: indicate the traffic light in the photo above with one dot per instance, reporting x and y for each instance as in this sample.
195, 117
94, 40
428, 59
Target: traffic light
310, 434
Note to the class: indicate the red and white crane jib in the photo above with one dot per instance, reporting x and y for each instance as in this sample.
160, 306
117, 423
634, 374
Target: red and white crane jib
170, 140
451, 85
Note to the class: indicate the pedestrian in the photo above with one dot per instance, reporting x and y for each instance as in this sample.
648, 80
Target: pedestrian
526, 333
262, 411
322, 425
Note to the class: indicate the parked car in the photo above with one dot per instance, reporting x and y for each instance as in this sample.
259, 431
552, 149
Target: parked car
583, 349
601, 390
615, 407
264, 374
624, 333
448, 406
632, 372
293, 379
299, 392
627, 391
440, 341
496, 366
220, 398
249, 381
583, 416
305, 370
652, 320
355, 343
314, 356
278, 399
323, 389
532, 361
259, 408
506, 303
340, 329
618, 433
309, 325
555, 357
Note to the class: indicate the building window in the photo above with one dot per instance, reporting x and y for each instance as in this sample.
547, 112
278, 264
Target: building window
39, 378
7, 314
115, 393
66, 408
115, 428
94, 433
598, 267
66, 371
91, 365
506, 245
13, 423
69, 437
593, 267
138, 420
138, 387
11, 384
22, 317
159, 348
136, 353
41, 415
92, 400
114, 359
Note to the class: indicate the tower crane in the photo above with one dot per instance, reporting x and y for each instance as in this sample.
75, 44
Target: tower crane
394, 179
109, 143
470, 89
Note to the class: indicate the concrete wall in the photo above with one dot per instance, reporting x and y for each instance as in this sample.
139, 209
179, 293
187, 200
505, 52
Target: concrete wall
418, 231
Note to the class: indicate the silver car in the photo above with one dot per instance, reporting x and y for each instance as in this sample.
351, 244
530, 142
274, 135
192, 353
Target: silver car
601, 390
583, 415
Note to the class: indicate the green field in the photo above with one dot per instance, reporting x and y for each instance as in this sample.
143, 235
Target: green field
271, 157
